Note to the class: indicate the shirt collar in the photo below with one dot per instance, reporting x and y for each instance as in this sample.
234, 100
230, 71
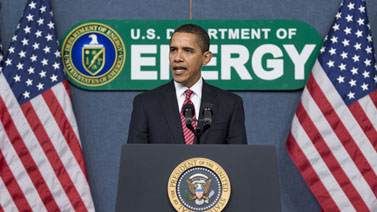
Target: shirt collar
196, 88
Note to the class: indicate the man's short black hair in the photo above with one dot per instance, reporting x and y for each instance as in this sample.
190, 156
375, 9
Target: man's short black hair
201, 34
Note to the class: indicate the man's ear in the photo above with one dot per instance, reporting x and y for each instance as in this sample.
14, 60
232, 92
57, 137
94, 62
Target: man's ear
207, 57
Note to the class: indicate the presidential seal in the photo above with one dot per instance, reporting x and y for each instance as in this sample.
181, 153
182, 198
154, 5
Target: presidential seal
199, 184
93, 54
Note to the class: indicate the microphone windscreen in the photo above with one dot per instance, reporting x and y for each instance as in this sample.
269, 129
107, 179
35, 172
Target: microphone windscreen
207, 107
188, 107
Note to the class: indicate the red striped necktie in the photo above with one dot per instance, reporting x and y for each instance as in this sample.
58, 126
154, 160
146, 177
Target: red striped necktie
189, 136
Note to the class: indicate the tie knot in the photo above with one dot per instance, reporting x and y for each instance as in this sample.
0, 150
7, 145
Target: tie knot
188, 93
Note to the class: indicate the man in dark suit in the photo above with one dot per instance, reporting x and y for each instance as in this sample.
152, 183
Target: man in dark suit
157, 114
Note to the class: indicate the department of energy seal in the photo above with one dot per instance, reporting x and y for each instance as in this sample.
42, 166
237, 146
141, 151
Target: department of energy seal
199, 184
93, 54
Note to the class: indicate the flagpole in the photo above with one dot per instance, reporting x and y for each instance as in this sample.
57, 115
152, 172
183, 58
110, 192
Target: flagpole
190, 9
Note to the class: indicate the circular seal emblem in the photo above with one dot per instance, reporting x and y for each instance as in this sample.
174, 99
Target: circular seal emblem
199, 184
93, 54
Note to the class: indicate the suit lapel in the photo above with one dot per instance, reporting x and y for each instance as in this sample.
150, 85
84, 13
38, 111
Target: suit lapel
169, 107
208, 96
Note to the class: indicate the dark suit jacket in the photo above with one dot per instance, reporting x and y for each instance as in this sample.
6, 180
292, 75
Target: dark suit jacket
155, 117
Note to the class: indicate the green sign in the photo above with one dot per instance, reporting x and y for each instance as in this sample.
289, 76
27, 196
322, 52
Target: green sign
134, 54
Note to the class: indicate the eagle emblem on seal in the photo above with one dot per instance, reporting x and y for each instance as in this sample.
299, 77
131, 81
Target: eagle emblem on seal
199, 186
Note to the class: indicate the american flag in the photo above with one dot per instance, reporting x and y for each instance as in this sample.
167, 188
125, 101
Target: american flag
1, 57
333, 140
41, 162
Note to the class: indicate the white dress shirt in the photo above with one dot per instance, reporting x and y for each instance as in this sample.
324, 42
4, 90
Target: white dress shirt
196, 96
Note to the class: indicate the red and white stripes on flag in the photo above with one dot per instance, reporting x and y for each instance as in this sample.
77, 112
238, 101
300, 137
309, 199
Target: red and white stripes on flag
41, 163
333, 140
42, 166
331, 149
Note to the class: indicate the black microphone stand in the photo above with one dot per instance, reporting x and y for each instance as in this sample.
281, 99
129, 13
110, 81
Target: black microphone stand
202, 124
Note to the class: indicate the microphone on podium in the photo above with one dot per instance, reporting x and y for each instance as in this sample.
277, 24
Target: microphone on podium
202, 124
189, 112
207, 114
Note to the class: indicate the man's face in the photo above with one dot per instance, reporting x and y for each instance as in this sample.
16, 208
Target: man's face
186, 58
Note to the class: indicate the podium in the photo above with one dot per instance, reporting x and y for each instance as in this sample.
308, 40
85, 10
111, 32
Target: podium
145, 170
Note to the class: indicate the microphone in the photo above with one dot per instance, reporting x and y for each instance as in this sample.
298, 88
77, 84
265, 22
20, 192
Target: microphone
207, 114
188, 112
